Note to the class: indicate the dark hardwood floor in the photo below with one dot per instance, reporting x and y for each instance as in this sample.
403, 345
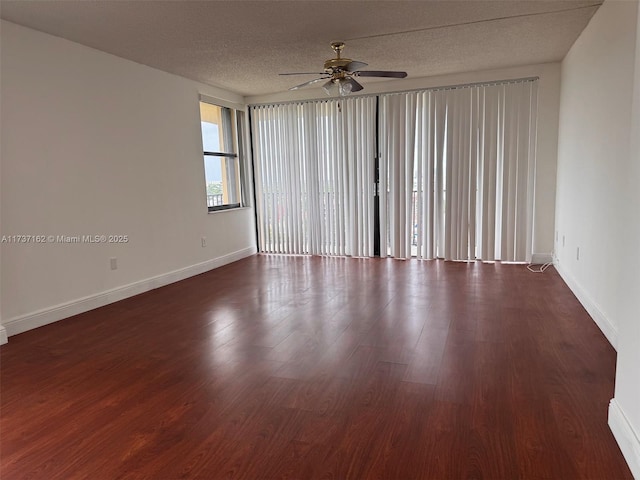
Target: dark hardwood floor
318, 368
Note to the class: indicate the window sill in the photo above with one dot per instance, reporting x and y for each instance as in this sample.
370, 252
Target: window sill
228, 210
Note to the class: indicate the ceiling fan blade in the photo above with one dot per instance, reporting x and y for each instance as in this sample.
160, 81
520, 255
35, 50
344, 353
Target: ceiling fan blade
380, 73
310, 82
355, 86
303, 73
354, 65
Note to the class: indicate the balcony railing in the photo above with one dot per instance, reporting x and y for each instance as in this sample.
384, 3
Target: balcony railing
278, 207
214, 200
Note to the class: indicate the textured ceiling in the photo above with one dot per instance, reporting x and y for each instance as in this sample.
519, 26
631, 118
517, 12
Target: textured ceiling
243, 45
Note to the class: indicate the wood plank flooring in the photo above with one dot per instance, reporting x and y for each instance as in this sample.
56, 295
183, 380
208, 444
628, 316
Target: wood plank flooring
318, 368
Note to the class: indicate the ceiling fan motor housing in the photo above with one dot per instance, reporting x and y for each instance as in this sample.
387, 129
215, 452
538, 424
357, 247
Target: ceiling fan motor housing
335, 65
338, 64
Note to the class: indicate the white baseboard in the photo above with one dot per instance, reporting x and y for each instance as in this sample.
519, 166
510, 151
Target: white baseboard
541, 258
3, 335
628, 440
607, 327
37, 319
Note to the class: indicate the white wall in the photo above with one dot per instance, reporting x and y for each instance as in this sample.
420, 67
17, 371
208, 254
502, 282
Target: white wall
598, 200
94, 144
593, 146
626, 403
547, 142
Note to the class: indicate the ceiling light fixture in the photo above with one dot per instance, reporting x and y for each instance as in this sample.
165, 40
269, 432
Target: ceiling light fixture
339, 86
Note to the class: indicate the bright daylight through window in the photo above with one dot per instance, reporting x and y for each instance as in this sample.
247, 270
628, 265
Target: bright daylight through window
220, 144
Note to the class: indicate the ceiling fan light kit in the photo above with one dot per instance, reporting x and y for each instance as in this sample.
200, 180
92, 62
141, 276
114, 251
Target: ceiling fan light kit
340, 72
341, 86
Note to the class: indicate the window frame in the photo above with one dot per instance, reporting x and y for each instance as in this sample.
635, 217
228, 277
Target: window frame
237, 142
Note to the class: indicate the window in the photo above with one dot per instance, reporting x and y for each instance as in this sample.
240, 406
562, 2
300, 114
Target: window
221, 134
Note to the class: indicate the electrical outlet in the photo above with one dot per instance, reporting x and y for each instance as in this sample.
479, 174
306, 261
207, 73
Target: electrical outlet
577, 253
114, 263
204, 241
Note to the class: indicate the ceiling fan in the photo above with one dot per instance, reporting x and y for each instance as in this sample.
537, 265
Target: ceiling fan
340, 72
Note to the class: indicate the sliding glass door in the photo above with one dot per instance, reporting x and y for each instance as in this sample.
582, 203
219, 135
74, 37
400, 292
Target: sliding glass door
442, 173
314, 174
460, 169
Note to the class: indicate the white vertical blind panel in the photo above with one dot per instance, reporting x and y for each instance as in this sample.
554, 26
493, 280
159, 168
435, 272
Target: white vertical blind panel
504, 243
516, 185
430, 180
463, 175
409, 155
321, 157
419, 174
531, 165
499, 175
274, 171
360, 159
474, 159
489, 172
393, 152
448, 173
282, 162
398, 128
389, 125
453, 162
440, 115
258, 173
269, 152
277, 186
383, 167
314, 176
526, 174
297, 184
340, 204
261, 151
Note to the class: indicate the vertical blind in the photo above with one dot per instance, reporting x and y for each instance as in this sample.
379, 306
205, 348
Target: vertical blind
457, 169
314, 174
